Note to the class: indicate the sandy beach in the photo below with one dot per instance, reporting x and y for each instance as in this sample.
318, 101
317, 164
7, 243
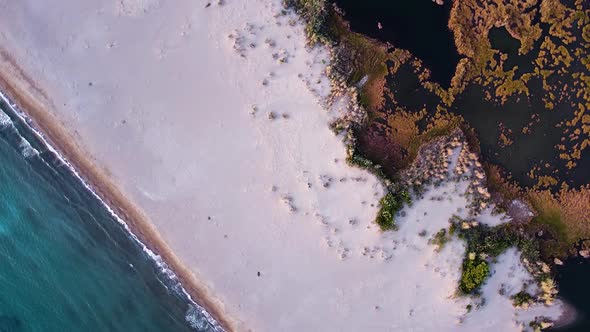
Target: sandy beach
103, 186
205, 126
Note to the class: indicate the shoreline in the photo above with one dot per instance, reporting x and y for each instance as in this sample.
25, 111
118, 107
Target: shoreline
17, 87
569, 316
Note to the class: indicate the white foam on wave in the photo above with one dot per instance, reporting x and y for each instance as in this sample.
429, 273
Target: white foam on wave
4, 120
196, 319
193, 309
26, 149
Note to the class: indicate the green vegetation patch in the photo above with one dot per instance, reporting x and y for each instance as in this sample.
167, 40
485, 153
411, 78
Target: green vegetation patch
389, 205
485, 243
396, 196
314, 13
491, 241
522, 299
475, 273
440, 239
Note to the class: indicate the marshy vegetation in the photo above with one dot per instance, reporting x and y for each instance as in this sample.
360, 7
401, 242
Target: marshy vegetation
524, 105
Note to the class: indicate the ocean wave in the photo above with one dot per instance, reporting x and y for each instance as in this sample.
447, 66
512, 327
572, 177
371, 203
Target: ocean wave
194, 316
5, 120
26, 149
171, 279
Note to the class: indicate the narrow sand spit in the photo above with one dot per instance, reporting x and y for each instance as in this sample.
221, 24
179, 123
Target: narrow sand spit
210, 120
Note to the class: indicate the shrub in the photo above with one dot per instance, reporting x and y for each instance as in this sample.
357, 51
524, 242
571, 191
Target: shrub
489, 240
521, 299
440, 239
453, 229
475, 273
314, 13
389, 205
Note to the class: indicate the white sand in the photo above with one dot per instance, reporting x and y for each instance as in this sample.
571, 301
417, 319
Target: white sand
161, 98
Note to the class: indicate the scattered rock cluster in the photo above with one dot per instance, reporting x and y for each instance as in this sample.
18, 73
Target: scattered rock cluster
246, 38
377, 252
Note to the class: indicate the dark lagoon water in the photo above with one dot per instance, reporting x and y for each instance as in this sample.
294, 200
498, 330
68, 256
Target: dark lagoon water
528, 150
502, 41
574, 286
419, 26
66, 263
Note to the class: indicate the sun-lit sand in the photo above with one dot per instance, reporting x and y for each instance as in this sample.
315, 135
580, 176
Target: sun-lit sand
212, 120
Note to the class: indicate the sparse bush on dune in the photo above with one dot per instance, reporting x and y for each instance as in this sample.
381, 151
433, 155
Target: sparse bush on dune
475, 273
491, 241
485, 243
389, 205
314, 13
522, 299
440, 239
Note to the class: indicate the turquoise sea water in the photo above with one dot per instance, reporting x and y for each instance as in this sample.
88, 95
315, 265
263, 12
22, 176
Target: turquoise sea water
66, 263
